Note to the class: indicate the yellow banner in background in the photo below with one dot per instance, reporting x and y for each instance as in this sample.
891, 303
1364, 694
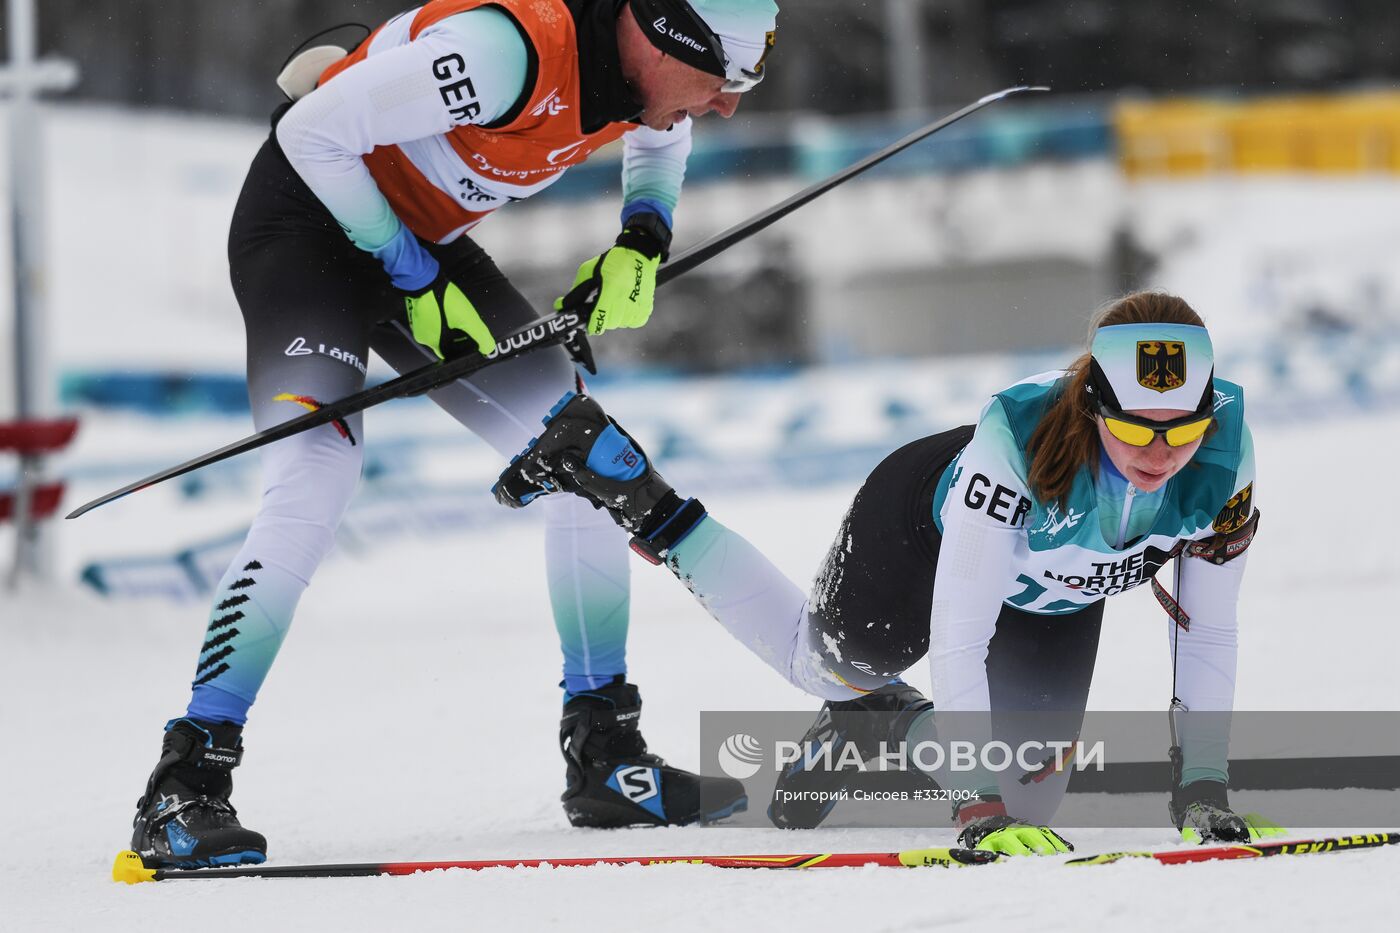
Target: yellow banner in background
1326, 134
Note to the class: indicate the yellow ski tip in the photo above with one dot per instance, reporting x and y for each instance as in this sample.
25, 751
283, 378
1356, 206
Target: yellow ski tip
129, 869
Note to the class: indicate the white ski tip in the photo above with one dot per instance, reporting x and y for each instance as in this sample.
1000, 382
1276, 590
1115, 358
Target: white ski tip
1007, 92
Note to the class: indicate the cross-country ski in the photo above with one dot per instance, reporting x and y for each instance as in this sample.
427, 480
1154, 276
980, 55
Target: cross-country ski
129, 869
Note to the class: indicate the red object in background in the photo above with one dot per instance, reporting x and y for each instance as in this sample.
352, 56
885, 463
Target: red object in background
37, 436
43, 501
31, 438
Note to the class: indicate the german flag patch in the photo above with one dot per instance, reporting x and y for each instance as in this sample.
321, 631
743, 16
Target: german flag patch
1236, 512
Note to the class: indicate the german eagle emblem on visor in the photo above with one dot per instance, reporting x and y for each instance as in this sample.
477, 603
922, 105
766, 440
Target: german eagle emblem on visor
1161, 364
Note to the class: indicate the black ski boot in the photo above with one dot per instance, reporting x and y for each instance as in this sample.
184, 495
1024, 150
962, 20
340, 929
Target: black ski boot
585, 452
613, 781
883, 715
184, 819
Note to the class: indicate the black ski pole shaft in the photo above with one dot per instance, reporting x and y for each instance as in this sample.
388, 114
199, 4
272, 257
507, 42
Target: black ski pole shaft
560, 327
720, 242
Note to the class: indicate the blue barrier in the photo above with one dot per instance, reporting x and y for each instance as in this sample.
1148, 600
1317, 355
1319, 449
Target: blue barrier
1004, 139
156, 392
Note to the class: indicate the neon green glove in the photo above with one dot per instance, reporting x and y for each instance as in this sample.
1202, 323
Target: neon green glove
1201, 810
1011, 836
444, 320
618, 288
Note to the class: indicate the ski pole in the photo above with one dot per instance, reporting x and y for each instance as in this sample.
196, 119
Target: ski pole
130, 869
561, 327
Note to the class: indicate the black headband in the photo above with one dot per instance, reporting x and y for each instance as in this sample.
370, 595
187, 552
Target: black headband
676, 29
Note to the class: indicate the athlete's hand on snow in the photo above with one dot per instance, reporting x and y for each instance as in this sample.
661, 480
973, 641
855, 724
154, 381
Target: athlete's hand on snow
1010, 836
444, 320
1202, 813
618, 288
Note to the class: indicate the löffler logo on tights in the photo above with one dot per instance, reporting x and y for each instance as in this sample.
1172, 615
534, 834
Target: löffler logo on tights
299, 347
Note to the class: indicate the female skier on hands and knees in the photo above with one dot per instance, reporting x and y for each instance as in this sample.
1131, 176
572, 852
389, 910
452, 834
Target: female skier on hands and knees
991, 549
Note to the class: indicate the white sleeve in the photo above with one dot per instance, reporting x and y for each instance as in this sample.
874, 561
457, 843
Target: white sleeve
982, 529
466, 69
1205, 658
1206, 653
653, 166
1210, 594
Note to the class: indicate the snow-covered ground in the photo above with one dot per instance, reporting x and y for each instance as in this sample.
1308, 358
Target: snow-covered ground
412, 715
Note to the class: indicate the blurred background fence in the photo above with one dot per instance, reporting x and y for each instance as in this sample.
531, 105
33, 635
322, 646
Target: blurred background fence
837, 56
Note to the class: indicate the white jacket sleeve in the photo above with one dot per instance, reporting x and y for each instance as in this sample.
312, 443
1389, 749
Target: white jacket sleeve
466, 69
653, 168
1210, 594
982, 530
1205, 655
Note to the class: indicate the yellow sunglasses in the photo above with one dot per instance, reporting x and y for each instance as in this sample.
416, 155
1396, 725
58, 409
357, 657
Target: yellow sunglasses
1139, 432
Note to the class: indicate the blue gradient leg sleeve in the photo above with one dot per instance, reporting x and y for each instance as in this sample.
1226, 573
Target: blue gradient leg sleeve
586, 555
756, 604
249, 620
586, 563
307, 482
